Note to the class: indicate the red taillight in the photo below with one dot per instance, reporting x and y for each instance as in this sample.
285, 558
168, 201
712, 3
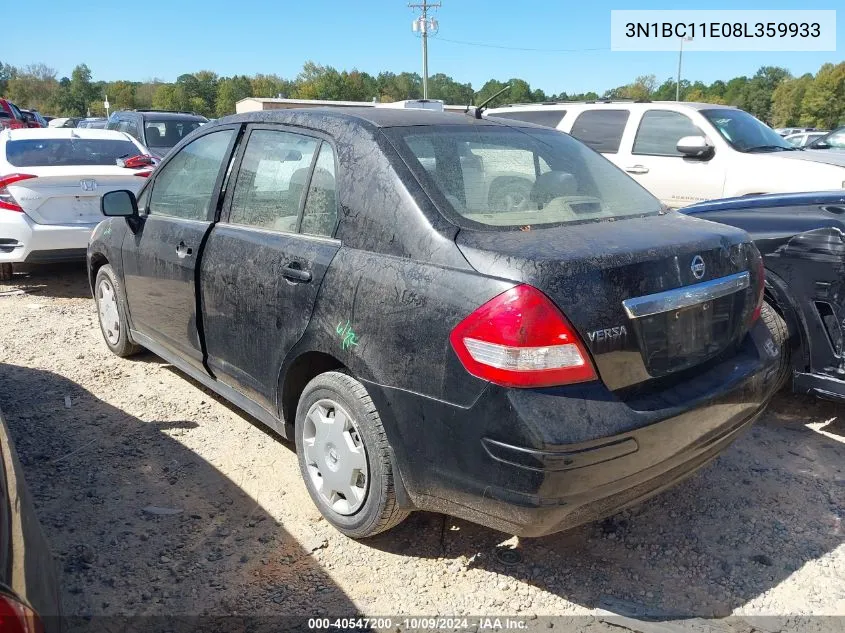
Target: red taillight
143, 174
16, 617
134, 162
761, 288
7, 200
521, 339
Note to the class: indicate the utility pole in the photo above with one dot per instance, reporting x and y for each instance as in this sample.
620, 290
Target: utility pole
424, 24
680, 57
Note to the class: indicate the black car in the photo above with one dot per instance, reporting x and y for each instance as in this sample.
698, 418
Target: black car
802, 239
354, 279
157, 130
29, 589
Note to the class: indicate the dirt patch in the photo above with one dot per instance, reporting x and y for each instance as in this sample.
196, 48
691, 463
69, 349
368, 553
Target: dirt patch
758, 532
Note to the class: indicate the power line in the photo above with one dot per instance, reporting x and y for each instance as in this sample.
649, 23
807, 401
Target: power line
521, 48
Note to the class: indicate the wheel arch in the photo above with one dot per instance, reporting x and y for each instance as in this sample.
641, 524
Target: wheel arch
95, 261
299, 371
778, 295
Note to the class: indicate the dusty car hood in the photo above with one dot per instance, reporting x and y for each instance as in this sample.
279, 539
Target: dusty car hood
817, 156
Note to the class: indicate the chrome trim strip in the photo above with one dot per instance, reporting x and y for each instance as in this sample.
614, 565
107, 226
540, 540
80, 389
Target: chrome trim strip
686, 296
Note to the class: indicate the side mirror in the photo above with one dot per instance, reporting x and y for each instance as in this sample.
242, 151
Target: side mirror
119, 204
695, 147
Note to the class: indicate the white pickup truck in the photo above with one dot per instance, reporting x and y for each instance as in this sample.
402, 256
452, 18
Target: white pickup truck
689, 152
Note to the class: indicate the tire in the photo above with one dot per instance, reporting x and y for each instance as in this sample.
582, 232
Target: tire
5, 272
330, 456
113, 322
780, 335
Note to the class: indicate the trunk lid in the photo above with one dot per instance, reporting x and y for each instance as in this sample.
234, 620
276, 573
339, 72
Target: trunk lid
68, 195
649, 296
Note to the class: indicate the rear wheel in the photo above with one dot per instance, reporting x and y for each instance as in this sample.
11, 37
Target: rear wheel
111, 310
5, 272
344, 456
780, 335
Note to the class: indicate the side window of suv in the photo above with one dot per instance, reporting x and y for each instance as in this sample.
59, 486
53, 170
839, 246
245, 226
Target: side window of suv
601, 129
184, 188
271, 180
549, 118
660, 131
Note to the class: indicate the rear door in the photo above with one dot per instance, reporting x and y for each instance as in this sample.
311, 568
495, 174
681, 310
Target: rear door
264, 262
602, 129
160, 258
653, 160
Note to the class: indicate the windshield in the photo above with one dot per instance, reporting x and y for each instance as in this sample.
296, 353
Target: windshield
745, 133
167, 133
516, 177
835, 139
65, 152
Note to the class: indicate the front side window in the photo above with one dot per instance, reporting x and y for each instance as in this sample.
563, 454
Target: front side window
271, 180
836, 140
660, 131
495, 176
320, 213
185, 186
745, 133
601, 129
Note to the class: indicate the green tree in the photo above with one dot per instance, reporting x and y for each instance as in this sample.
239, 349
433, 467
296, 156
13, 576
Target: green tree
787, 100
7, 71
169, 97
81, 91
32, 87
756, 96
824, 101
121, 95
230, 90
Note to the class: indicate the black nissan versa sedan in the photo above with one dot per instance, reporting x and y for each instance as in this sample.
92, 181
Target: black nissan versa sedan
363, 282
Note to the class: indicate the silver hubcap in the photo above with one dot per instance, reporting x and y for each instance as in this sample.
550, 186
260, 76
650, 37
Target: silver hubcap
335, 457
109, 316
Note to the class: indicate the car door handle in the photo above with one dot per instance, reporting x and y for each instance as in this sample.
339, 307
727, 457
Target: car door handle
637, 169
293, 272
183, 250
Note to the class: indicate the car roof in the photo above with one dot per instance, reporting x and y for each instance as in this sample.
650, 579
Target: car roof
64, 132
610, 105
373, 117
155, 114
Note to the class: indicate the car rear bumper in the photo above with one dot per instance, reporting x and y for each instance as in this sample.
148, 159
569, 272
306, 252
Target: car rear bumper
533, 462
22, 240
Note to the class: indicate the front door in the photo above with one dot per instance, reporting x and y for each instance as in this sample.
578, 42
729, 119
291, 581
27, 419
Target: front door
264, 262
654, 161
160, 259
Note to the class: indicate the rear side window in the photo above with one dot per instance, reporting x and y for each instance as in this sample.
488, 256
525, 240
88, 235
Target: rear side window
66, 152
185, 186
549, 118
271, 180
601, 129
660, 131
320, 214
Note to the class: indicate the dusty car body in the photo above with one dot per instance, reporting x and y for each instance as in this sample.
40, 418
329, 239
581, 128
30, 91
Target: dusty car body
526, 374
802, 239
29, 587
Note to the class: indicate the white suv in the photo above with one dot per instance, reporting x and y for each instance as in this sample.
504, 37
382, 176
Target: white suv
689, 152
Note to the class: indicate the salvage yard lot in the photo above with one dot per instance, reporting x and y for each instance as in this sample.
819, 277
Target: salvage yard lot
159, 498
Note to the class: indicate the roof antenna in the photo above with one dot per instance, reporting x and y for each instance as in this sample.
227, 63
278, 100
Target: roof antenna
480, 108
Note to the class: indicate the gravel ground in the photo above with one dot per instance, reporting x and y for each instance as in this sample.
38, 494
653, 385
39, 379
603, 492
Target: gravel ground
159, 498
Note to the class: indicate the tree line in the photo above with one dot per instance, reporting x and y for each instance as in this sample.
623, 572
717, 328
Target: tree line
772, 94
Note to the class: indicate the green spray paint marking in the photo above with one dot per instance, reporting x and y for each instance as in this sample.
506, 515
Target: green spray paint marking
347, 335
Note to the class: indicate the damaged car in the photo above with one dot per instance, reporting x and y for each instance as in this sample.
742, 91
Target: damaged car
802, 239
529, 361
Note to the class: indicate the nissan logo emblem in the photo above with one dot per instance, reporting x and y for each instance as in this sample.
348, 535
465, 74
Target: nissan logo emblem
697, 267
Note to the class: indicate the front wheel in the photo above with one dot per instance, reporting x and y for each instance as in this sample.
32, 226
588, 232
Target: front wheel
111, 310
344, 456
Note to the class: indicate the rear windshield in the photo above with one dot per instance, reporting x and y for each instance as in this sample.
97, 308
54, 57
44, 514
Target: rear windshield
66, 152
517, 177
167, 133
